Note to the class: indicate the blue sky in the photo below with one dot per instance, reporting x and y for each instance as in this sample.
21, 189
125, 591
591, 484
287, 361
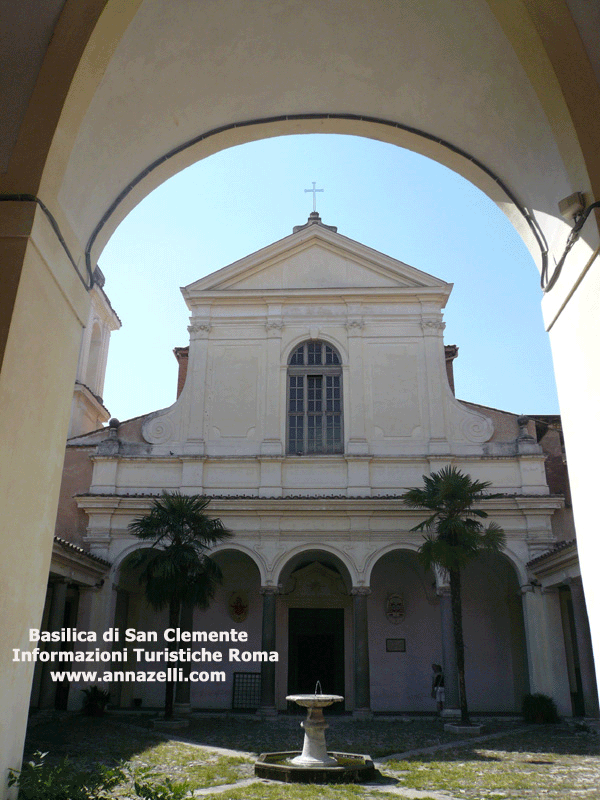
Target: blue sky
393, 200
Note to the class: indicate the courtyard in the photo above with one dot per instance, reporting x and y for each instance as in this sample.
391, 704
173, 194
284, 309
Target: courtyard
213, 757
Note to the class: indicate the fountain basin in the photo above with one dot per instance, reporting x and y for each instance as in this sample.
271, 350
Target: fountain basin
349, 768
314, 700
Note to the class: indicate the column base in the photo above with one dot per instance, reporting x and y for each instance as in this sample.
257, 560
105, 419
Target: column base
182, 709
362, 713
450, 713
267, 712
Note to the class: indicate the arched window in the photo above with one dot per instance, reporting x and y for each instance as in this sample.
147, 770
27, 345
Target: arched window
315, 400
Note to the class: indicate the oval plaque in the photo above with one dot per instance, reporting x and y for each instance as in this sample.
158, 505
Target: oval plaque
238, 606
394, 608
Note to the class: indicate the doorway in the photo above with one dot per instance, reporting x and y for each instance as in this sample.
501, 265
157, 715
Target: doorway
316, 651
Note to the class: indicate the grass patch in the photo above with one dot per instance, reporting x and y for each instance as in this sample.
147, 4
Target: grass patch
550, 763
199, 768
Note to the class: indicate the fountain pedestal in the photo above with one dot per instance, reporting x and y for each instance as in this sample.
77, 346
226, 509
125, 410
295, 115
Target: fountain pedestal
314, 750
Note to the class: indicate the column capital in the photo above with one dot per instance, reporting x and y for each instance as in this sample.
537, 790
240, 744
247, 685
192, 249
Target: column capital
271, 589
550, 590
432, 327
363, 591
274, 327
199, 330
355, 327
575, 584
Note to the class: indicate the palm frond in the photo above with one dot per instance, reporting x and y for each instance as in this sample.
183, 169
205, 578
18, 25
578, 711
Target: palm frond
176, 568
456, 533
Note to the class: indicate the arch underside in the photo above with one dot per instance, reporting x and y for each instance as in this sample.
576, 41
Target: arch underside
386, 76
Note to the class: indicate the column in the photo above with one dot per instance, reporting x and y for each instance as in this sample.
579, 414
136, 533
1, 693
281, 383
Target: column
182, 690
267, 672
362, 678
452, 704
584, 647
546, 655
55, 623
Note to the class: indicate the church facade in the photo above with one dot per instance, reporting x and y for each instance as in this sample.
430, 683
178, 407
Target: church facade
315, 390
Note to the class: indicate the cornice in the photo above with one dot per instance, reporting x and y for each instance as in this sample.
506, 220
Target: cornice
77, 562
127, 504
561, 557
91, 398
315, 295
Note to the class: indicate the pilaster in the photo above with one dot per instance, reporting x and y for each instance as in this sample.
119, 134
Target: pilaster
44, 305
197, 387
355, 378
433, 329
272, 444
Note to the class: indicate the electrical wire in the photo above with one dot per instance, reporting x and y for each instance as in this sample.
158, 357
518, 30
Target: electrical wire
548, 283
529, 219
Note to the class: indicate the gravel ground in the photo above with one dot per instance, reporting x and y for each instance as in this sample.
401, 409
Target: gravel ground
378, 737
554, 761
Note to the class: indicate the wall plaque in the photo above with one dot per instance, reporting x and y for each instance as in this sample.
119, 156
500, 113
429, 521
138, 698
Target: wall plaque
395, 645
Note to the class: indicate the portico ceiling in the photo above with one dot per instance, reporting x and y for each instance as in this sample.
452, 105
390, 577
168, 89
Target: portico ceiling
186, 70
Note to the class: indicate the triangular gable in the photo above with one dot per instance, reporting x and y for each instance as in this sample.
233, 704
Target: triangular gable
314, 258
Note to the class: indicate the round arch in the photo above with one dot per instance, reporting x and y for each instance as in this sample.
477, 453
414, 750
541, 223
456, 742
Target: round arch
178, 139
444, 152
115, 570
547, 57
326, 554
373, 558
236, 547
322, 336
509, 556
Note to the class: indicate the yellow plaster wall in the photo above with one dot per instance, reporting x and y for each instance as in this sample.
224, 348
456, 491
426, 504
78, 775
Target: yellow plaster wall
35, 392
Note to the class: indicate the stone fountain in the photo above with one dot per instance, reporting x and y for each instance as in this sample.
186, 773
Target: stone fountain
314, 764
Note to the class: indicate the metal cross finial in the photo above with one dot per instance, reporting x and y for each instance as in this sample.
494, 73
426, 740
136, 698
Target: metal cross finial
314, 194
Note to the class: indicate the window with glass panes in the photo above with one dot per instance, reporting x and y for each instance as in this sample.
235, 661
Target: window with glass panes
314, 400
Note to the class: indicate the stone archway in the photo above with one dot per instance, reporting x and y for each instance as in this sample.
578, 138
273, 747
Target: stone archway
315, 627
65, 160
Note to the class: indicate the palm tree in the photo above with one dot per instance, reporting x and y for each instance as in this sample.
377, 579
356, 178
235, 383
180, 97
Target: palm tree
456, 537
177, 569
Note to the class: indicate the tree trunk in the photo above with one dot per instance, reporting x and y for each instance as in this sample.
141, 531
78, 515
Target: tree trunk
174, 614
455, 594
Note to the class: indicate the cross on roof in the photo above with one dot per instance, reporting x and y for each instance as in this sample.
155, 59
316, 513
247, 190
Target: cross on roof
314, 194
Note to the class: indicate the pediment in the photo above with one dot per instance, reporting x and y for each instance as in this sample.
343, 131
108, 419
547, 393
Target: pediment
316, 258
